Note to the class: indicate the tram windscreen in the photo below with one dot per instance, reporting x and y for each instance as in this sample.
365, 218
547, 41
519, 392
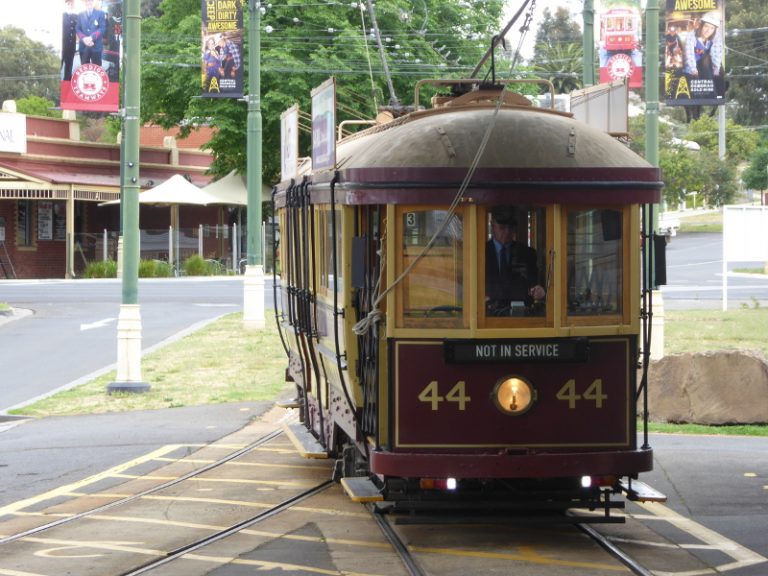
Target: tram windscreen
433, 288
594, 254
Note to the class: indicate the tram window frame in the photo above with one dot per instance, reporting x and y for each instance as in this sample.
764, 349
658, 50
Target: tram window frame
535, 226
453, 313
580, 307
326, 282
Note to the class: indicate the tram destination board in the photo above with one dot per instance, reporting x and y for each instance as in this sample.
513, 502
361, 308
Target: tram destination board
517, 350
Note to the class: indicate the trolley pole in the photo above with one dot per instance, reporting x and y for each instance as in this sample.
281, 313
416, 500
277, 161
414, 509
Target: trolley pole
129, 320
253, 283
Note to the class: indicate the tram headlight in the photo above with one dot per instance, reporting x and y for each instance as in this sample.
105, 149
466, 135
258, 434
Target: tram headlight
514, 395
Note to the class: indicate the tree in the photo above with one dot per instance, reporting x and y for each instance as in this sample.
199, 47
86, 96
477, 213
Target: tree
301, 47
37, 106
740, 142
746, 74
27, 68
558, 53
755, 176
555, 30
562, 64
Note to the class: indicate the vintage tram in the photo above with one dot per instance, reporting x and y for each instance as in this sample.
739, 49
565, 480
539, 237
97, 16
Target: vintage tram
410, 373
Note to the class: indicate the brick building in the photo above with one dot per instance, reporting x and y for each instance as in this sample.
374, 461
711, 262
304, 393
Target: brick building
53, 188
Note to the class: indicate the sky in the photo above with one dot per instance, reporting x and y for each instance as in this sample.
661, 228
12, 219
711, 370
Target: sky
42, 18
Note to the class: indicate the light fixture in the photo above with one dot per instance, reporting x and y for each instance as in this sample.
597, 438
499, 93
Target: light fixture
513, 395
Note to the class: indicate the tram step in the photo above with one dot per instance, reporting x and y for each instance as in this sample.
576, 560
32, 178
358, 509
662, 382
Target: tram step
305, 444
361, 489
640, 492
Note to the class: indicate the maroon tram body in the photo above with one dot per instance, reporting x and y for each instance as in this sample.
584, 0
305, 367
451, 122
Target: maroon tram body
403, 371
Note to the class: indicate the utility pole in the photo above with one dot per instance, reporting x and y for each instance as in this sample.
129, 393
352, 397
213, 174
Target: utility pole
129, 320
588, 64
253, 283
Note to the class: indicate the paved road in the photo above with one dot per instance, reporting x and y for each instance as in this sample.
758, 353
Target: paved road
71, 332
695, 275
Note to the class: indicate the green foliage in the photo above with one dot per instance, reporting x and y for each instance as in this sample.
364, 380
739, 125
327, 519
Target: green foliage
740, 143
37, 106
101, 269
196, 265
747, 81
562, 64
155, 269
301, 47
27, 68
756, 174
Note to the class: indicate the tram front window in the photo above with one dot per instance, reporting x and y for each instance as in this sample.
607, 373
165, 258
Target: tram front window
595, 255
514, 268
433, 288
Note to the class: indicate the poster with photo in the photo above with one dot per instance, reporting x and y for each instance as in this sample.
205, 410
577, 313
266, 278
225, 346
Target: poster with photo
620, 44
222, 48
91, 42
694, 53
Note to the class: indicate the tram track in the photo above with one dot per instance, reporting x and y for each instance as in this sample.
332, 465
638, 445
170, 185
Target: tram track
400, 547
234, 529
149, 491
633, 565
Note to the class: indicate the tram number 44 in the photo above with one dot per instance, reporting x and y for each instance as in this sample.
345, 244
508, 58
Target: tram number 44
568, 393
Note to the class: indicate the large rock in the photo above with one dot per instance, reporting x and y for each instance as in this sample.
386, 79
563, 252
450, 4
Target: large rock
709, 388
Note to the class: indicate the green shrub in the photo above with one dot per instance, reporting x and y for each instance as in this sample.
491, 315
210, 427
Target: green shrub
195, 265
101, 269
146, 268
155, 269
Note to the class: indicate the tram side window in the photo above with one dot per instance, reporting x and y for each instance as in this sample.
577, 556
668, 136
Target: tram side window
330, 270
595, 262
432, 291
515, 263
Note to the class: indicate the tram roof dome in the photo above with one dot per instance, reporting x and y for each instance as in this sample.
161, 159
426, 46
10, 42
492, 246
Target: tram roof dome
522, 138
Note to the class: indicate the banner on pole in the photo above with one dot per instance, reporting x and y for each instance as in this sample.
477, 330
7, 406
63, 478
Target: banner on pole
694, 52
620, 45
91, 40
222, 48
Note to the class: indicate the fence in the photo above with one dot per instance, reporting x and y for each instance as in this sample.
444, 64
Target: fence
224, 244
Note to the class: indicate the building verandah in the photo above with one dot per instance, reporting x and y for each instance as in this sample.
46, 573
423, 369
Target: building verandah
53, 188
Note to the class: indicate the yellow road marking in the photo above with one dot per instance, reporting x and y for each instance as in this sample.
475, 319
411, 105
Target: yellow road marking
252, 464
110, 473
222, 480
262, 565
122, 547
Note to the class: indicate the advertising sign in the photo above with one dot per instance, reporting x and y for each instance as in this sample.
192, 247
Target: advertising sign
620, 46
324, 125
694, 67
289, 142
222, 48
91, 39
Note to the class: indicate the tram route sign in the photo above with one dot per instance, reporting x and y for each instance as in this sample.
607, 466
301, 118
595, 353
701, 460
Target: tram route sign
516, 350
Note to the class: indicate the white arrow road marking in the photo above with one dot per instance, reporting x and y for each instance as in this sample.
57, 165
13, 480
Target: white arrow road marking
97, 324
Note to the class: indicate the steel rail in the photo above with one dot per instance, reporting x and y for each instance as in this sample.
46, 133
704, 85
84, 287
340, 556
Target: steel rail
615, 551
397, 543
226, 532
236, 454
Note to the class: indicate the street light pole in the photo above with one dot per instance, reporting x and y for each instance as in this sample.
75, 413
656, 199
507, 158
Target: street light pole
253, 283
129, 320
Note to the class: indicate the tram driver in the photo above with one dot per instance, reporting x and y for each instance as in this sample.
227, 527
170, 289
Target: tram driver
511, 268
